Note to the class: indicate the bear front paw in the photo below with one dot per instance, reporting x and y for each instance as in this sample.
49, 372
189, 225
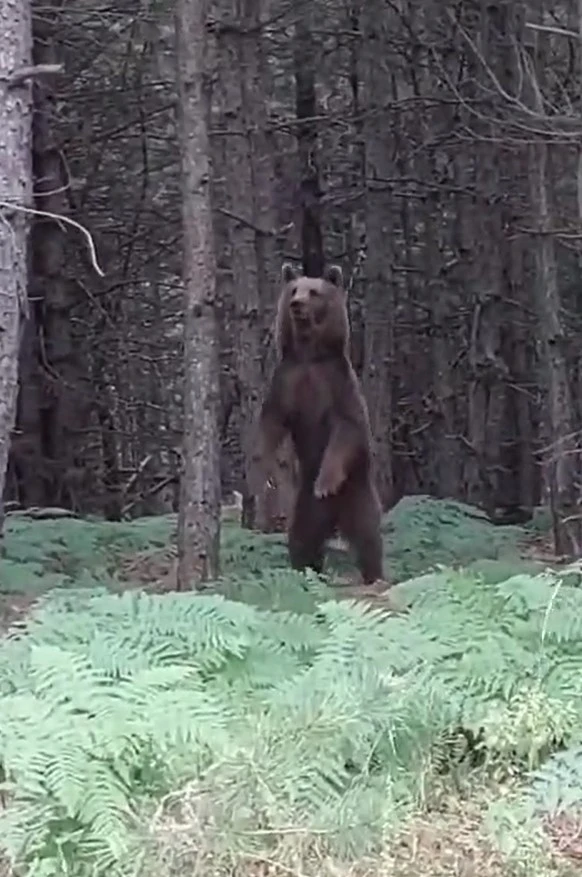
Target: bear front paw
328, 482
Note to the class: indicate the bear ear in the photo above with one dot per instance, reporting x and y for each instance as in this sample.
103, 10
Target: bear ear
288, 273
333, 274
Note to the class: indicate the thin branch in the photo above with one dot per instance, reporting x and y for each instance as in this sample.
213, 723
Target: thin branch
512, 100
560, 31
8, 205
37, 71
246, 222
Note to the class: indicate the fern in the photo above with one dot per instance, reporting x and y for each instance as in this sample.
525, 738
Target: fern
283, 716
420, 533
60, 550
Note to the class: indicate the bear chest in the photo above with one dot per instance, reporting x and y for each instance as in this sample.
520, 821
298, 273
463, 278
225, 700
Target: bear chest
312, 396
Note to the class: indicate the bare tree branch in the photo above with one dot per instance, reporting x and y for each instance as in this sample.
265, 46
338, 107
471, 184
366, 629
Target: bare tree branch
7, 205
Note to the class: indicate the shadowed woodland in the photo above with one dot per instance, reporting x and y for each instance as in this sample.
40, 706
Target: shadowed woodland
432, 152
174, 698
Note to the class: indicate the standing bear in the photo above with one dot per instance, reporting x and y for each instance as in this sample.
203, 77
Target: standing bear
315, 397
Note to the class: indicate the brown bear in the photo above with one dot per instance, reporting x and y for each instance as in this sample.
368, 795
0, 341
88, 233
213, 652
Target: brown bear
315, 397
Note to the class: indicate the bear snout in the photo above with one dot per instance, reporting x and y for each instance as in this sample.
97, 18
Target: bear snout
299, 312
297, 305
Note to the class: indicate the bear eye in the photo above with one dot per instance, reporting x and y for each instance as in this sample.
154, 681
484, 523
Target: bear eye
313, 293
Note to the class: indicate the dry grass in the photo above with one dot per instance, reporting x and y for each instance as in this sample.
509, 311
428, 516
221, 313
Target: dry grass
565, 833
151, 570
454, 843
542, 550
449, 840
13, 610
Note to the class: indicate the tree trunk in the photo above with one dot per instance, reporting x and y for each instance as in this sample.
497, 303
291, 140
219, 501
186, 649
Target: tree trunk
562, 458
65, 390
15, 188
245, 229
489, 373
561, 461
380, 288
235, 227
306, 54
199, 513
53, 394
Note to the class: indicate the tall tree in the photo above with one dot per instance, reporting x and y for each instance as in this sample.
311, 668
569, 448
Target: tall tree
15, 192
562, 473
245, 221
52, 413
306, 54
199, 513
380, 286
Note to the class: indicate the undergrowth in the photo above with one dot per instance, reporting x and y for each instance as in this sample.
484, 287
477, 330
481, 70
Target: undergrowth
295, 736
419, 533
267, 722
61, 550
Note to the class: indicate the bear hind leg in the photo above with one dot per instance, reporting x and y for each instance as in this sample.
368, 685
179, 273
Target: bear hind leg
311, 527
359, 524
368, 550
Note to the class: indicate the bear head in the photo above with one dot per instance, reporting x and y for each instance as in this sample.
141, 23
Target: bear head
312, 315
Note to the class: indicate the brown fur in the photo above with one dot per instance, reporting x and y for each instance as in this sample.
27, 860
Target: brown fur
315, 397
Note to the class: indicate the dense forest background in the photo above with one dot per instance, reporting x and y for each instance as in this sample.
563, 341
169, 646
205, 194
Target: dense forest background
434, 150
174, 699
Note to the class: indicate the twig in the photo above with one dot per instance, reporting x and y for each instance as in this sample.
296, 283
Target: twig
8, 205
135, 475
536, 113
548, 28
147, 494
37, 70
246, 222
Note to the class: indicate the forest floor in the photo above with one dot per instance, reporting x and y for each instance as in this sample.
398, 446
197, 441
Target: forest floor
420, 535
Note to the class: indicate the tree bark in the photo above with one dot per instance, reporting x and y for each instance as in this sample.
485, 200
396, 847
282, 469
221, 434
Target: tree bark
561, 462
245, 232
488, 371
15, 189
380, 287
52, 407
306, 54
562, 466
199, 513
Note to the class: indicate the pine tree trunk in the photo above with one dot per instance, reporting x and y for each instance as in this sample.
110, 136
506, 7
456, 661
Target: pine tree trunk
15, 188
305, 52
562, 456
245, 233
380, 285
561, 463
199, 513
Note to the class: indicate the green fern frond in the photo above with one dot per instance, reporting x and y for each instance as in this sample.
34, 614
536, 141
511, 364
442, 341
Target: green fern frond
330, 720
